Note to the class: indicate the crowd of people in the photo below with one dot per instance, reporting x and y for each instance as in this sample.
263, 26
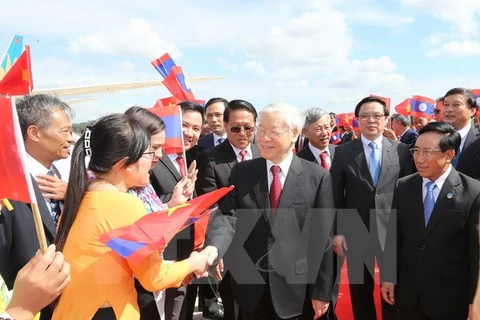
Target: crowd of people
399, 192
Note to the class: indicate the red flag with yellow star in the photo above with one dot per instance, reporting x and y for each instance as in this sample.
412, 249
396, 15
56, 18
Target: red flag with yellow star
18, 81
153, 231
404, 107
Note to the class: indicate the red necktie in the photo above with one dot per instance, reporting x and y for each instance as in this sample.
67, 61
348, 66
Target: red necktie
181, 164
243, 154
323, 160
275, 189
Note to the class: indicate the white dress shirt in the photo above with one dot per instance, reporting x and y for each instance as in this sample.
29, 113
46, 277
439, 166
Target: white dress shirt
248, 156
368, 150
173, 157
316, 152
284, 165
35, 168
463, 134
439, 183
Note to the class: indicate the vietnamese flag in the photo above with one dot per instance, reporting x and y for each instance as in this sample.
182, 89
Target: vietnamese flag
386, 100
18, 81
172, 116
153, 231
167, 102
345, 119
404, 107
422, 107
16, 183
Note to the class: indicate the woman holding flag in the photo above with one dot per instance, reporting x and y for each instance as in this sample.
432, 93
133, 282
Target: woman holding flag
102, 284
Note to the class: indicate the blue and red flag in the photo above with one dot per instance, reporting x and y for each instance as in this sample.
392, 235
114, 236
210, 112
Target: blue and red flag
172, 116
336, 137
164, 64
476, 92
404, 107
153, 231
422, 107
175, 83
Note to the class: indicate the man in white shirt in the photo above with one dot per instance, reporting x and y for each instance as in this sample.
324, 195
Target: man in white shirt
214, 109
432, 247
459, 107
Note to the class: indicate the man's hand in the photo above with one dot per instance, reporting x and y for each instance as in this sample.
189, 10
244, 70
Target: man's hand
184, 188
319, 308
51, 187
38, 283
339, 244
217, 272
388, 292
389, 133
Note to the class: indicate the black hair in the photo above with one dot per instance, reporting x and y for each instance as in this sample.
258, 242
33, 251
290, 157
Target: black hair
150, 121
112, 138
215, 100
469, 96
192, 106
451, 138
371, 99
239, 105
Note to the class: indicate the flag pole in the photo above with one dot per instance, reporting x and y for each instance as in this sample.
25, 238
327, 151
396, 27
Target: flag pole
37, 218
183, 143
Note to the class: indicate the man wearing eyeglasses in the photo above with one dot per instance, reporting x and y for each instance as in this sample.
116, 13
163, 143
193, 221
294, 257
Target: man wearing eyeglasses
432, 246
459, 107
282, 206
215, 166
364, 173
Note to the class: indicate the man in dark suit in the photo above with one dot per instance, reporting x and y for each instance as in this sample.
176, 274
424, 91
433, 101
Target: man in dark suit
459, 107
364, 173
215, 166
401, 125
47, 133
214, 109
164, 177
319, 150
281, 271
433, 242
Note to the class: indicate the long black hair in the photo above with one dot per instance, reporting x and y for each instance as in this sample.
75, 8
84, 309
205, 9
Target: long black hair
109, 140
150, 121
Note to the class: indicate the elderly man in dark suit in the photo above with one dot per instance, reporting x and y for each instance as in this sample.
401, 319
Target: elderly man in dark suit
435, 233
215, 166
283, 214
214, 109
47, 132
459, 107
364, 173
401, 126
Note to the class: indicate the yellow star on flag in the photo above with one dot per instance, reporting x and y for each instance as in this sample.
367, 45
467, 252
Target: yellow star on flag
173, 209
408, 108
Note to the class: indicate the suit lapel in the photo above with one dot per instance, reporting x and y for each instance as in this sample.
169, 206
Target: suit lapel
331, 148
359, 156
44, 211
387, 159
255, 151
292, 183
472, 136
228, 153
169, 165
445, 198
261, 188
309, 154
417, 202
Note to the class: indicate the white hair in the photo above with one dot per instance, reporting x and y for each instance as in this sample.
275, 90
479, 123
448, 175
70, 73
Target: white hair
287, 112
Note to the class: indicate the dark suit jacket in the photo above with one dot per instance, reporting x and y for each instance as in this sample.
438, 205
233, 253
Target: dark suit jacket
215, 165
306, 153
437, 264
206, 142
18, 236
409, 138
273, 244
469, 162
305, 143
164, 177
353, 188
347, 137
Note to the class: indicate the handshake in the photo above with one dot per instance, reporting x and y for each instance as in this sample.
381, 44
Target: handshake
199, 262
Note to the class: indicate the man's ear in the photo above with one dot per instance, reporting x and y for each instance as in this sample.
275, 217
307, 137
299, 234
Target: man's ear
450, 155
33, 133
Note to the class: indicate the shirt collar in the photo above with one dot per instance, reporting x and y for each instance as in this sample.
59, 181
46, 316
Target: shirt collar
316, 152
34, 167
464, 131
284, 165
440, 180
365, 142
237, 151
215, 137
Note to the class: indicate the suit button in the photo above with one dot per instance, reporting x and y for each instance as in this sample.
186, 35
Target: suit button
271, 240
423, 247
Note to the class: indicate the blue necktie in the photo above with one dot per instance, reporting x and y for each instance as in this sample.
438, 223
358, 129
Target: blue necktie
220, 140
456, 159
54, 204
374, 165
429, 201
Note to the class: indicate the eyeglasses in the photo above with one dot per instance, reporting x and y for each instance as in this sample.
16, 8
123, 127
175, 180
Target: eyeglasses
237, 129
150, 153
428, 152
272, 135
367, 116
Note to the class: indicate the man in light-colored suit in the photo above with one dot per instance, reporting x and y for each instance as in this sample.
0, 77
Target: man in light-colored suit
280, 256
364, 173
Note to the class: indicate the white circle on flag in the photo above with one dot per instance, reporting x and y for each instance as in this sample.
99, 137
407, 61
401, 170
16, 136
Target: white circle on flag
422, 107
